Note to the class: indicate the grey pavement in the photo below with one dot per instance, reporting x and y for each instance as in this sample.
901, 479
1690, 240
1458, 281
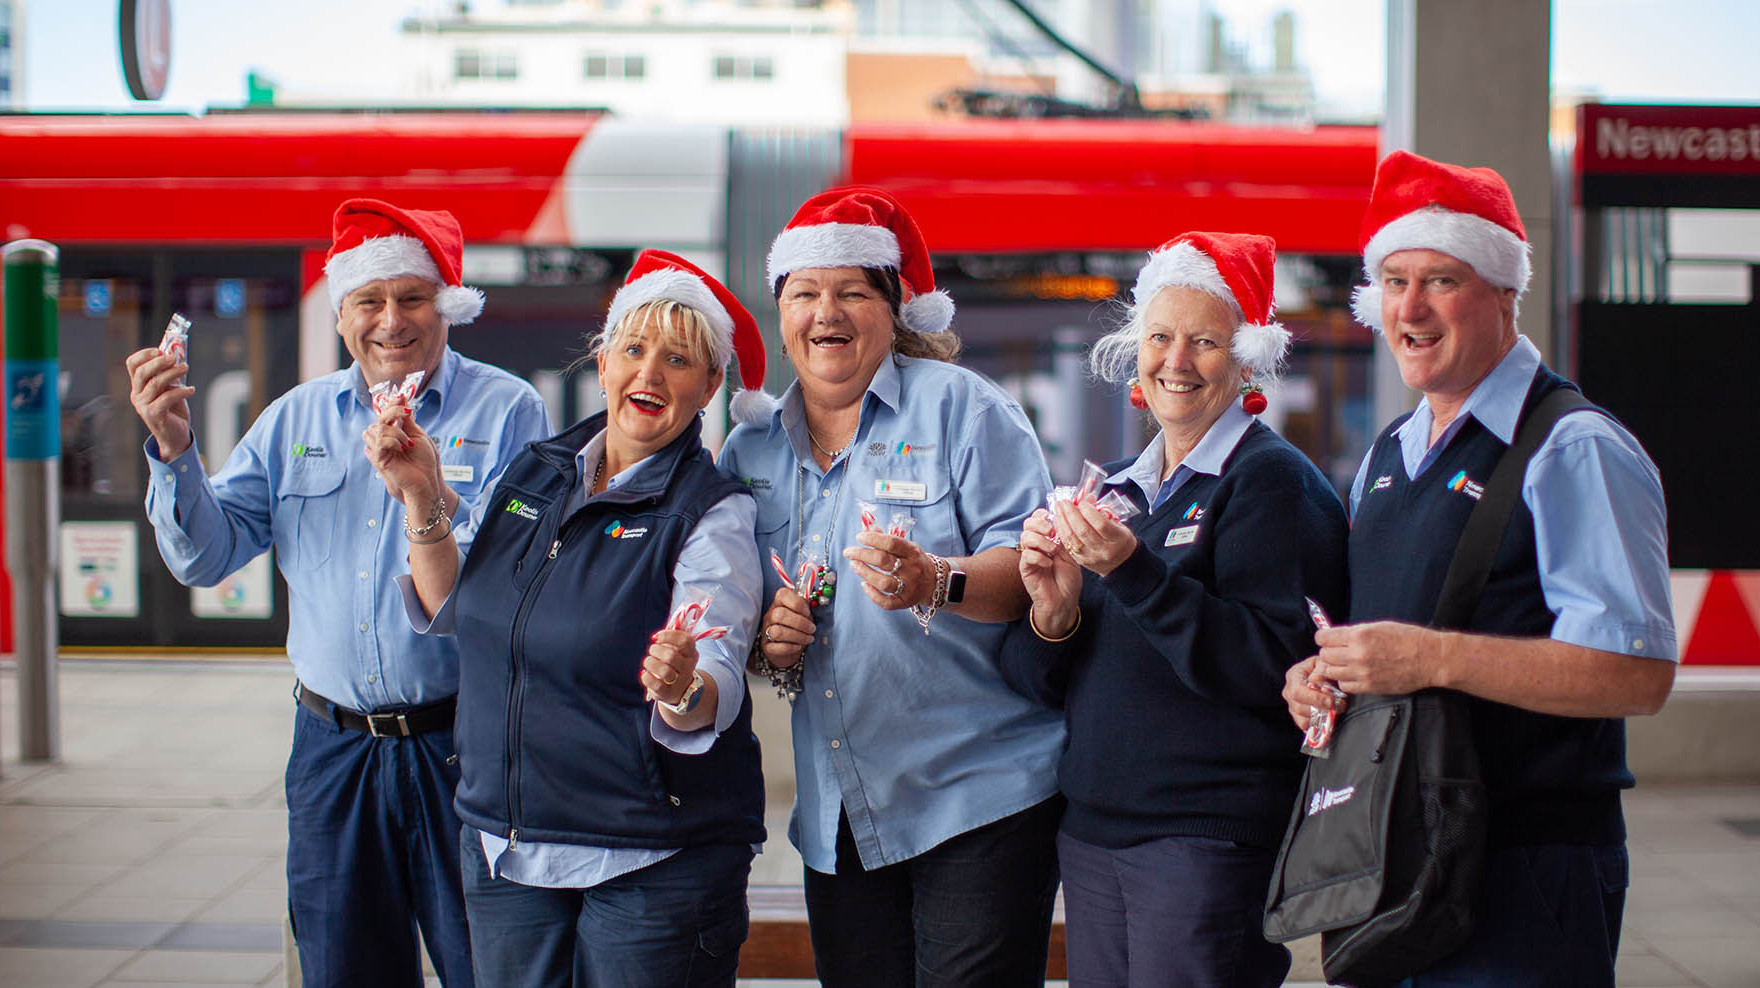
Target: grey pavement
151, 854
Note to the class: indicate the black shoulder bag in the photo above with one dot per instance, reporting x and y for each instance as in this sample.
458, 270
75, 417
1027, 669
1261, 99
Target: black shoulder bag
1386, 845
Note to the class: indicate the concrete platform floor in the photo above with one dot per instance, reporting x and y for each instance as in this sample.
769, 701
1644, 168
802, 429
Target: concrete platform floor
151, 854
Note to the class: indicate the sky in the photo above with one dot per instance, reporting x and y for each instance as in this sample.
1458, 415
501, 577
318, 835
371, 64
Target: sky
1623, 50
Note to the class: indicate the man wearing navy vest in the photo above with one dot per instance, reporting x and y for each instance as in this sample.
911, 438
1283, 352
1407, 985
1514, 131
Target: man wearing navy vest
1574, 629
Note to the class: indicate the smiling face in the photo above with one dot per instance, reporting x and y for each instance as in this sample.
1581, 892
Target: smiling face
391, 328
837, 328
1185, 367
657, 374
1447, 326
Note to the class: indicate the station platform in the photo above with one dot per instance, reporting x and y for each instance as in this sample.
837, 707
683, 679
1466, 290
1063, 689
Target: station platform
151, 853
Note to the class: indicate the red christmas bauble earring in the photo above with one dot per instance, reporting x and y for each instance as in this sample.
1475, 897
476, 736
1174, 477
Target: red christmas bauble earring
1138, 402
1253, 398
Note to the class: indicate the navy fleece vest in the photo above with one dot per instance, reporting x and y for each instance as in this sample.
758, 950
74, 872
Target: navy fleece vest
1550, 779
554, 617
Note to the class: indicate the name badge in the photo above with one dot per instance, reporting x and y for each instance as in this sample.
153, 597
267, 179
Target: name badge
1184, 535
900, 490
457, 473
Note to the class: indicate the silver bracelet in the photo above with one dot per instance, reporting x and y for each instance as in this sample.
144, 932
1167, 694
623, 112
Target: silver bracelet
937, 599
787, 681
435, 517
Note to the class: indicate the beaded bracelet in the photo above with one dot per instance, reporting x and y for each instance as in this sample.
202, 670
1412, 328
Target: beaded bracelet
435, 517
787, 681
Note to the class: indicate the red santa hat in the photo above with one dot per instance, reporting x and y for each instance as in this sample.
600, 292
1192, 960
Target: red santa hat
864, 228
373, 240
1467, 213
658, 275
1238, 268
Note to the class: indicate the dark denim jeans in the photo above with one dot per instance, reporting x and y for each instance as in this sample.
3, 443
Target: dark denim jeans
372, 853
1179, 912
677, 923
973, 910
1549, 917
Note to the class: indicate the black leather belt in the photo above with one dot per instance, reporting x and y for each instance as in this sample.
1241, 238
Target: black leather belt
385, 724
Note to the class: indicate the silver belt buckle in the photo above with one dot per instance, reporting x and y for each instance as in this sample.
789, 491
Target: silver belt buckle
398, 720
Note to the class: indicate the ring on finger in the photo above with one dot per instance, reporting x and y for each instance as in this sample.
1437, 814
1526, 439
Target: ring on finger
894, 591
897, 561
670, 679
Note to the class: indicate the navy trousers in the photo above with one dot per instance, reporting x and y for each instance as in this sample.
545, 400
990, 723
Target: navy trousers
1549, 917
677, 923
1179, 911
372, 854
973, 910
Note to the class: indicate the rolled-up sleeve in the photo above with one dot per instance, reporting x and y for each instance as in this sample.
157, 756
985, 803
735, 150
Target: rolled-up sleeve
1601, 538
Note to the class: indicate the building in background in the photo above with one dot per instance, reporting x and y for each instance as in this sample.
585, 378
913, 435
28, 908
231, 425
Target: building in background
11, 53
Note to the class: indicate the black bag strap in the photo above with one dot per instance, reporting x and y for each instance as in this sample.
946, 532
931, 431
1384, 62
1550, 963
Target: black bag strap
1483, 536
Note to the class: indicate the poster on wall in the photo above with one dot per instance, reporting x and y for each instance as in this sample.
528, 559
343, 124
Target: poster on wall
100, 569
248, 593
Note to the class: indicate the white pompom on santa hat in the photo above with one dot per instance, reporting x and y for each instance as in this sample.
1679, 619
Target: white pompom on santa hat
1420, 204
373, 240
659, 275
1239, 268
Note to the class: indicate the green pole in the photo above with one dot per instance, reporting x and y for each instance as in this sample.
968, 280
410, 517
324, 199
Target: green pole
33, 484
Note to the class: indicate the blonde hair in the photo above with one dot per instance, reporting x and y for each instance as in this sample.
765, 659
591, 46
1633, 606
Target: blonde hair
680, 326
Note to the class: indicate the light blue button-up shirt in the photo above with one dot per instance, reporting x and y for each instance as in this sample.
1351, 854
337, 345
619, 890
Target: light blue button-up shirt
1207, 457
1600, 526
916, 737
719, 557
300, 480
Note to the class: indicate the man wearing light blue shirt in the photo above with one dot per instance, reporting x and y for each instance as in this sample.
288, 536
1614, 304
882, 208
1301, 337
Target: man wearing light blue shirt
372, 836
1573, 630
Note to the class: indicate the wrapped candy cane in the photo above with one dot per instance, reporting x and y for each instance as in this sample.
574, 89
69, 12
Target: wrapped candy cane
781, 570
900, 524
175, 342
385, 394
1317, 742
870, 512
814, 580
1093, 475
1118, 507
692, 611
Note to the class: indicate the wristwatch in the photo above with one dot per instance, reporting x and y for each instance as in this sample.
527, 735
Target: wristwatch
693, 695
956, 585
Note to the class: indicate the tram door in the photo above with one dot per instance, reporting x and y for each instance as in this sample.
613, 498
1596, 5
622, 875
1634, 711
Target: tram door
114, 590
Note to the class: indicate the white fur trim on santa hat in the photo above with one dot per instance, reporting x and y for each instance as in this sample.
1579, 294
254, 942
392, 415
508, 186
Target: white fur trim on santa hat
832, 245
1181, 266
930, 312
397, 257
1498, 255
752, 406
677, 286
1260, 348
458, 304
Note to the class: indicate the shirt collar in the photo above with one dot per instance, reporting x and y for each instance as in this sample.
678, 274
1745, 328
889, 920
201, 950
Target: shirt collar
886, 386
1496, 401
1207, 457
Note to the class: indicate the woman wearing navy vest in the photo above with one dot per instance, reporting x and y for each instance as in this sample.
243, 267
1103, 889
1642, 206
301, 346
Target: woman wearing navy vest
925, 803
1165, 640
610, 792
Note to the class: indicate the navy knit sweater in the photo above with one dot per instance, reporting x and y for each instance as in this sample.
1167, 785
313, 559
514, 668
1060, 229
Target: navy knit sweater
1172, 685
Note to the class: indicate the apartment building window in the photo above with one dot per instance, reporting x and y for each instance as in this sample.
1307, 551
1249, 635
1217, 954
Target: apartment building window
756, 67
469, 63
604, 66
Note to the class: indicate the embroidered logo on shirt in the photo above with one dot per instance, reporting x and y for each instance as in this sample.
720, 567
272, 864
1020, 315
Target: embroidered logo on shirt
517, 507
617, 531
1463, 484
1184, 535
1385, 480
876, 449
1325, 799
756, 483
301, 449
1193, 513
913, 449
453, 442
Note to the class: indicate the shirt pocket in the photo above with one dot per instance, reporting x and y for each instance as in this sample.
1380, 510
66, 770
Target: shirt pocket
924, 491
308, 506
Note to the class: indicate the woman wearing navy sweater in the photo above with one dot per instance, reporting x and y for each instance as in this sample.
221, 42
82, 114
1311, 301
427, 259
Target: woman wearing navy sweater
610, 785
1165, 641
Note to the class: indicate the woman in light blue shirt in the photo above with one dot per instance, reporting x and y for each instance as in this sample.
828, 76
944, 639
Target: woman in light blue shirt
925, 807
